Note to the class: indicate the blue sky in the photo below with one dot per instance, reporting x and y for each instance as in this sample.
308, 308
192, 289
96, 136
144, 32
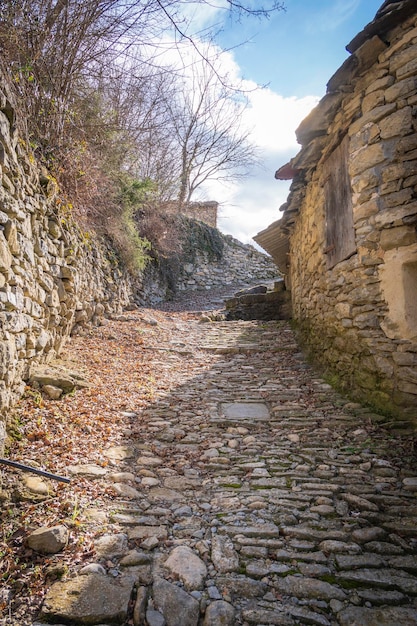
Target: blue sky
293, 55
296, 51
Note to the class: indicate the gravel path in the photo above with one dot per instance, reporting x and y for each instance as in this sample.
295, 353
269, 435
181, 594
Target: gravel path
244, 492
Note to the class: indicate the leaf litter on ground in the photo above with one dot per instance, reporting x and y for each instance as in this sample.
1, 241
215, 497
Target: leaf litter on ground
125, 372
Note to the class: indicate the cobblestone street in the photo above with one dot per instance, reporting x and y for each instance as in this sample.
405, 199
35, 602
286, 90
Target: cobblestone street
248, 493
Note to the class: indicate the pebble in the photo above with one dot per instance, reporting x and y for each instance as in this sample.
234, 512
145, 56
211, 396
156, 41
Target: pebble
150, 543
410, 483
89, 470
148, 481
111, 545
155, 618
254, 509
121, 477
126, 491
92, 568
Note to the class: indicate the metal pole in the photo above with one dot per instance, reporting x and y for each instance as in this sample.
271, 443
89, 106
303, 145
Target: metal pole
26, 468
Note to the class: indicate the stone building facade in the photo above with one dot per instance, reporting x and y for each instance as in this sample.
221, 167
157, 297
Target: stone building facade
205, 210
347, 240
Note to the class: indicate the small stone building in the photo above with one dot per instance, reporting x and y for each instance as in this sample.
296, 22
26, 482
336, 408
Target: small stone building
205, 211
347, 239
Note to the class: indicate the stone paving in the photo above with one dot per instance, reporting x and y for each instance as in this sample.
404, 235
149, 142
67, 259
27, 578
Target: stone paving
255, 495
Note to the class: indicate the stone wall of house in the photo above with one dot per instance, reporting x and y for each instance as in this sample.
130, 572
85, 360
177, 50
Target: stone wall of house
54, 278
359, 318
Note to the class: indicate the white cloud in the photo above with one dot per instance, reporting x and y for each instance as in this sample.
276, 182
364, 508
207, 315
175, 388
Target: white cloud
274, 118
250, 205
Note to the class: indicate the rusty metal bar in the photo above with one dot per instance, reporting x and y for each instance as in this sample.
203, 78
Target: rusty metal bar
26, 468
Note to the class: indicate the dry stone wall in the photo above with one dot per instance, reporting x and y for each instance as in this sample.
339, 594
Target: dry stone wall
236, 264
204, 211
359, 316
239, 263
53, 277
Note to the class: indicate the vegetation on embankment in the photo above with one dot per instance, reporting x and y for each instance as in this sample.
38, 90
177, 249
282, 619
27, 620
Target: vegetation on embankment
117, 127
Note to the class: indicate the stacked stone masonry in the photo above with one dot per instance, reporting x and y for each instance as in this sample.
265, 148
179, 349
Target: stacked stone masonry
239, 263
53, 277
204, 211
358, 314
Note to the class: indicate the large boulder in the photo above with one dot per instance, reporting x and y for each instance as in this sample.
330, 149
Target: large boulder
92, 599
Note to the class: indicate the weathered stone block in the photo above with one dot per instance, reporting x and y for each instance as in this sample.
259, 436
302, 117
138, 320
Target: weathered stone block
317, 122
52, 299
368, 53
373, 100
91, 599
365, 210
401, 89
397, 198
405, 358
398, 123
402, 58
5, 254
177, 606
372, 116
48, 540
382, 83
396, 237
367, 180
410, 69
397, 171
366, 158
395, 216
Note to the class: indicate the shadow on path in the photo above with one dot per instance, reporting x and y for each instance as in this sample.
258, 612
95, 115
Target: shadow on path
290, 504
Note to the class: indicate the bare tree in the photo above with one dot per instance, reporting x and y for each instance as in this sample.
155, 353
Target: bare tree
91, 93
211, 140
50, 44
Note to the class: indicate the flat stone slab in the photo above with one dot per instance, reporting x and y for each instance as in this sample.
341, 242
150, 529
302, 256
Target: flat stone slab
119, 453
57, 375
309, 588
91, 599
144, 532
387, 616
386, 578
247, 412
223, 555
89, 470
